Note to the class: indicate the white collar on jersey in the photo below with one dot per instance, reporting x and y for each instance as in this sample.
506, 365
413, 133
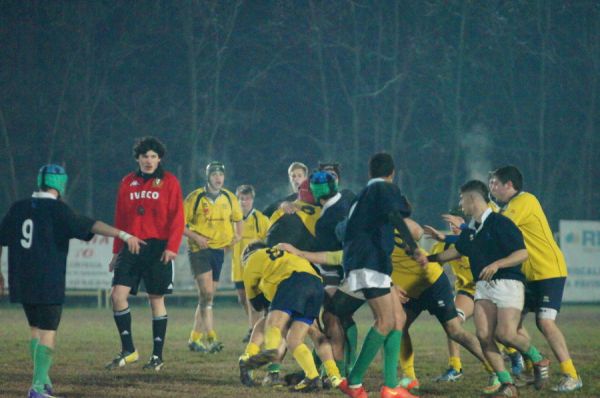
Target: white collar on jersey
484, 217
333, 200
374, 180
43, 195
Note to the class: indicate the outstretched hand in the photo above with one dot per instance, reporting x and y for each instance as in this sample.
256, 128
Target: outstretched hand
434, 233
455, 221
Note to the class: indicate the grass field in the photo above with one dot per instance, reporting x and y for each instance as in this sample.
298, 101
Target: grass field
88, 339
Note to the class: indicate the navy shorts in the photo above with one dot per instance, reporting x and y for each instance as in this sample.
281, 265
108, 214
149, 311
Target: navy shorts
239, 285
300, 295
438, 299
206, 260
43, 316
130, 269
546, 293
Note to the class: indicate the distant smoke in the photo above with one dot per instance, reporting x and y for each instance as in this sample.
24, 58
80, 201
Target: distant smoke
477, 145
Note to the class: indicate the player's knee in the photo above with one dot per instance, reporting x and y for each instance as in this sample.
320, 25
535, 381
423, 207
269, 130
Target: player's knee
119, 301
545, 325
453, 328
206, 296
205, 302
484, 337
384, 325
505, 336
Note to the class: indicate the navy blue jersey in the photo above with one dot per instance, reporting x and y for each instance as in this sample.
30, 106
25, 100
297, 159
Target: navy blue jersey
369, 237
497, 239
37, 232
331, 215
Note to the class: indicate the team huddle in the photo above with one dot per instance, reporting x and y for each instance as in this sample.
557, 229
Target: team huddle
303, 267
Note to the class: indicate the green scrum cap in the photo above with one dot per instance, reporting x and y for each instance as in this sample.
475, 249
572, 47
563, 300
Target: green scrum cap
323, 185
52, 176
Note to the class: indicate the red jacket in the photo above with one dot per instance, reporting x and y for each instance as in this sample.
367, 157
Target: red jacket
151, 209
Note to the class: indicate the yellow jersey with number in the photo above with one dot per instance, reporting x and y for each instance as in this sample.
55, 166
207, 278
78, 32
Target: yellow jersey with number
265, 269
409, 274
254, 227
212, 218
545, 258
460, 268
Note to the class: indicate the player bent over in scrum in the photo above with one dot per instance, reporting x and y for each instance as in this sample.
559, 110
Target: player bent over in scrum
295, 293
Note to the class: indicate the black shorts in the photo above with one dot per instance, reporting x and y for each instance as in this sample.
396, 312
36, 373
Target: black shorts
437, 299
207, 260
43, 316
343, 305
300, 295
130, 269
546, 293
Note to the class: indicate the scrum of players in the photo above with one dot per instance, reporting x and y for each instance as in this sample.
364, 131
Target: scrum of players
364, 248
305, 265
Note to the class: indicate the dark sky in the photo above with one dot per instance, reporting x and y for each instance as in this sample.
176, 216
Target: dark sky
451, 88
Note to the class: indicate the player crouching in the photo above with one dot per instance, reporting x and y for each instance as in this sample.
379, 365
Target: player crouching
295, 293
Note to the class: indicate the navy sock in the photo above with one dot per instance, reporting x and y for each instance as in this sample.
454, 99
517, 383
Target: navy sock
159, 330
123, 321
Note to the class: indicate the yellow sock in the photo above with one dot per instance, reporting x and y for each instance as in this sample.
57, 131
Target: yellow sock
407, 360
196, 336
305, 359
568, 368
509, 350
454, 363
272, 338
331, 369
528, 364
488, 368
212, 336
252, 349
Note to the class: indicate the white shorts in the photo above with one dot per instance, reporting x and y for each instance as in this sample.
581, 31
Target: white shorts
365, 278
346, 289
505, 293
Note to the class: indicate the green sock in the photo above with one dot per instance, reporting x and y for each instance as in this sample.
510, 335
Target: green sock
504, 377
391, 352
350, 346
533, 354
342, 367
33, 343
274, 367
41, 367
373, 342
